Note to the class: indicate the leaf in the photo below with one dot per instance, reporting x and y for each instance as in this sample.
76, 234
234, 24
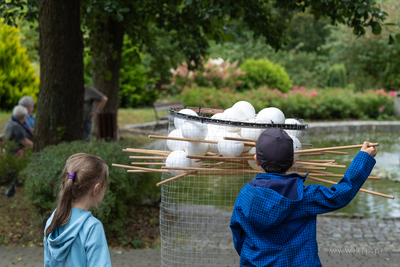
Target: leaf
18, 259
391, 40
398, 37
189, 2
119, 252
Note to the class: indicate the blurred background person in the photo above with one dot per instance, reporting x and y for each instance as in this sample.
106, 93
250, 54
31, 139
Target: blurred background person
15, 129
91, 95
29, 103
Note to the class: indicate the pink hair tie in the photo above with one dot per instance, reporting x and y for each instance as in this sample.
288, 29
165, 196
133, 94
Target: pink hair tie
71, 176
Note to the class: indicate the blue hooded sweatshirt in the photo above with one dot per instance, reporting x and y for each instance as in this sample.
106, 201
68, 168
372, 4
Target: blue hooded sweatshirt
81, 242
275, 216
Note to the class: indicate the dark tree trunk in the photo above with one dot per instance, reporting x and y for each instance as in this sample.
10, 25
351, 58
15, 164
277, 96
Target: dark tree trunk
60, 103
111, 63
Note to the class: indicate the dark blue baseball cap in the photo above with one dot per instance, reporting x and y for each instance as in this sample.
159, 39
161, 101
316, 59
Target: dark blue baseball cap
275, 146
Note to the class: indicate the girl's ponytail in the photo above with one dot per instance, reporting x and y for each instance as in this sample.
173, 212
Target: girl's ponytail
63, 211
81, 173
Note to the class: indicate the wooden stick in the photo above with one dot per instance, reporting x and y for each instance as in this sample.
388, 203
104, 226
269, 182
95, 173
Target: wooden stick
315, 160
311, 154
147, 163
212, 158
321, 164
174, 178
306, 169
152, 150
140, 151
137, 168
336, 152
362, 190
147, 157
207, 169
338, 175
324, 149
183, 139
239, 139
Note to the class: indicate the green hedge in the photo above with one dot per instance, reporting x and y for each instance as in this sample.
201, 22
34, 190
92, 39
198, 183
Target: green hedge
263, 72
124, 190
325, 104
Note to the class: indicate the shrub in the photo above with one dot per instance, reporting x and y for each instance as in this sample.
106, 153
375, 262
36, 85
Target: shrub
12, 164
263, 72
17, 76
124, 190
324, 104
337, 76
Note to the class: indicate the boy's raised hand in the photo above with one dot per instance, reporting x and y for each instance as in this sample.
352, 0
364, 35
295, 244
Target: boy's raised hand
369, 149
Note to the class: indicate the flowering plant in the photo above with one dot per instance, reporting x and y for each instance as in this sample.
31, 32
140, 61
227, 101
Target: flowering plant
216, 73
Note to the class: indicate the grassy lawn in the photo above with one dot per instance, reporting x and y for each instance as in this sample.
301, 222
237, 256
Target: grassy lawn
125, 116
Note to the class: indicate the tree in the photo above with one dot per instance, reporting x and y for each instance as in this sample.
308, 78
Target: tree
60, 104
190, 23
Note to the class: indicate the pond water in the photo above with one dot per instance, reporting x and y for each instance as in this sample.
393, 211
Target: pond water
387, 166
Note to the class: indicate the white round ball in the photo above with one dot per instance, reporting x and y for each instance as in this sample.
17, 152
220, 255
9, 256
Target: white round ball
246, 108
251, 133
234, 114
214, 128
177, 159
295, 133
195, 130
228, 148
253, 163
216, 136
196, 163
196, 148
178, 121
296, 146
270, 115
175, 144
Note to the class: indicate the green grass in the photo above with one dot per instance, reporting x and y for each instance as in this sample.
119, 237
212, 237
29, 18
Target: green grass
125, 116
4, 117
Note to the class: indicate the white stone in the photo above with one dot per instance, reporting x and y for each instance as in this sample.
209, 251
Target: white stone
196, 148
195, 130
247, 109
295, 133
270, 115
178, 121
177, 159
175, 144
228, 148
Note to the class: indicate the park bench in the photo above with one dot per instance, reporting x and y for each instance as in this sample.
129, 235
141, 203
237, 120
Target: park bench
165, 106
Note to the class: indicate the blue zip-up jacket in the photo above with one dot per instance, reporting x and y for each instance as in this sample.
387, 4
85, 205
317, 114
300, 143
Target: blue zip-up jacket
81, 242
274, 218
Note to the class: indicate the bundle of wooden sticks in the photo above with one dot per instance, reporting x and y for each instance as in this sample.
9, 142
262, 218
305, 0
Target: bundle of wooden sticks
214, 164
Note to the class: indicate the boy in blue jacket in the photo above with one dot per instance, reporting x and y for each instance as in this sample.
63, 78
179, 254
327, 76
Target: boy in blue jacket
274, 218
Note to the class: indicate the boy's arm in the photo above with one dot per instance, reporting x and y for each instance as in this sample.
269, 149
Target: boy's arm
237, 231
319, 199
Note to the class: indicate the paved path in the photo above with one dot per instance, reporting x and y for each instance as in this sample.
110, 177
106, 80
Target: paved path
342, 242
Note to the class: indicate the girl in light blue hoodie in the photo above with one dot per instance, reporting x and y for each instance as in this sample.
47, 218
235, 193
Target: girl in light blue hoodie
73, 237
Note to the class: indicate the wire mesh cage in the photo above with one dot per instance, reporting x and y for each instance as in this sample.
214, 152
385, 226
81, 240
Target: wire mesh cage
208, 170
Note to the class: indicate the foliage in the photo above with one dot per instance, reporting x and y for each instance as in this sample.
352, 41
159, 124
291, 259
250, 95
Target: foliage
17, 77
263, 72
215, 73
29, 38
124, 190
337, 76
12, 164
136, 88
323, 104
306, 33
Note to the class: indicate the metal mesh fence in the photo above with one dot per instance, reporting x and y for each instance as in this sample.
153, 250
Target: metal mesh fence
196, 208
